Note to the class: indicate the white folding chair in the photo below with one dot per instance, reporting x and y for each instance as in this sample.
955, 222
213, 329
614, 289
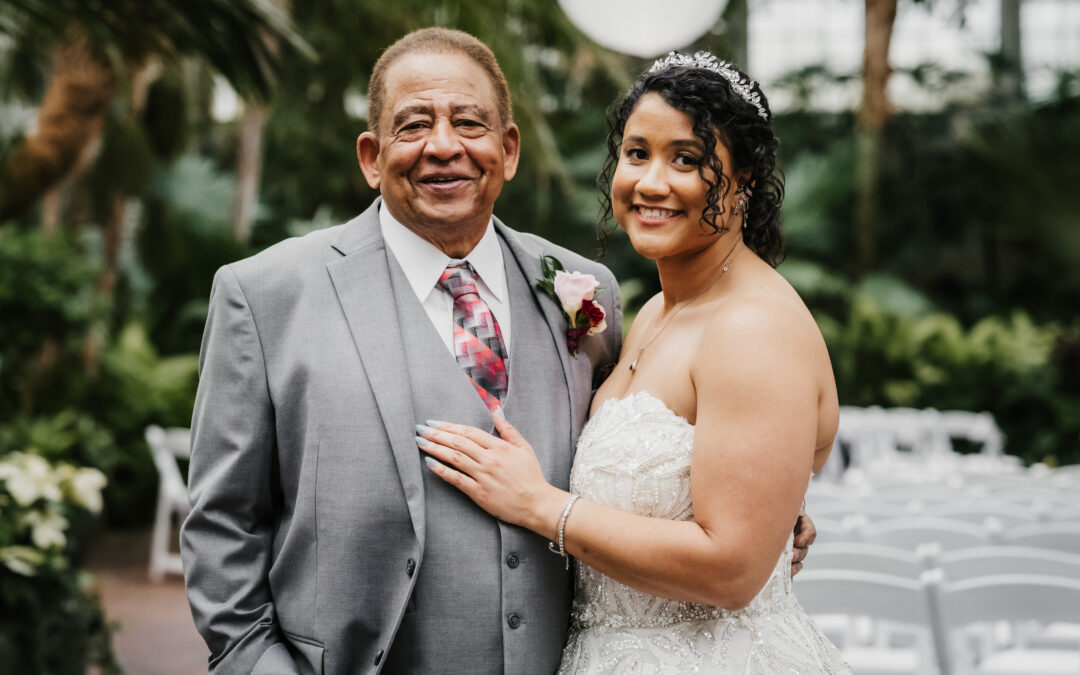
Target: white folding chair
927, 493
985, 561
167, 446
1064, 514
897, 601
978, 427
833, 531
1014, 598
1059, 536
865, 558
978, 511
910, 533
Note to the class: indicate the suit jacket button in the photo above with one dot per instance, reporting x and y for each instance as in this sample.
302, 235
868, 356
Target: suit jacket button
513, 620
378, 657
512, 560
410, 567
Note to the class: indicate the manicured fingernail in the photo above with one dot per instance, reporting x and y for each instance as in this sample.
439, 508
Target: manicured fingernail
499, 413
421, 430
423, 442
430, 462
434, 424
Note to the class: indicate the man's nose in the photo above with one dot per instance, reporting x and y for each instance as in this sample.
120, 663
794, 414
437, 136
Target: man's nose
443, 142
654, 183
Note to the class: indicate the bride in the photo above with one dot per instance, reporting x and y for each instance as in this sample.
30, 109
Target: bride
690, 474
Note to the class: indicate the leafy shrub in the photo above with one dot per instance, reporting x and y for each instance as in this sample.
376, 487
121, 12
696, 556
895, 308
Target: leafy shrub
49, 621
47, 303
1006, 365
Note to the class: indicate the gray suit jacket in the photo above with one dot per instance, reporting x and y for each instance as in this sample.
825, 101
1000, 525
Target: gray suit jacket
308, 493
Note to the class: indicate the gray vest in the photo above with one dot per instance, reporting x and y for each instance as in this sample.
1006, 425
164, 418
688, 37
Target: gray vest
489, 597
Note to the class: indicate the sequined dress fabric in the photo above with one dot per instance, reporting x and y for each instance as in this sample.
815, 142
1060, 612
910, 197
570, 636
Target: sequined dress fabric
634, 455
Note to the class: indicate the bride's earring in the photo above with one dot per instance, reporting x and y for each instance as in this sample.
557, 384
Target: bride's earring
740, 206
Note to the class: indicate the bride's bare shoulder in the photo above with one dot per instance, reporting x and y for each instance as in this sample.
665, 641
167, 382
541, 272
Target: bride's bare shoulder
763, 319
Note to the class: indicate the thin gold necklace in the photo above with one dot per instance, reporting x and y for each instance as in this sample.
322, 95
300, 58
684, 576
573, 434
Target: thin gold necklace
685, 303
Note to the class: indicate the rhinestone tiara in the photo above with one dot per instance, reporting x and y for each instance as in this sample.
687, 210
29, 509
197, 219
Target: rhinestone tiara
742, 86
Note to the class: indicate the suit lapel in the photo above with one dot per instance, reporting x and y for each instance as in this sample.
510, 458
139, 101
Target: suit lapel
361, 279
527, 257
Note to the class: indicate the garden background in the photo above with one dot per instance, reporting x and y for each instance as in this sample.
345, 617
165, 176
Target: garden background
932, 213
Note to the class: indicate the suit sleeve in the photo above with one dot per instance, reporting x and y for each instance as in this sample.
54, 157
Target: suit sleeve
616, 317
226, 540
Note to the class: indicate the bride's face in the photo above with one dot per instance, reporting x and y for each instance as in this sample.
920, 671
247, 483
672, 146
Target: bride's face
657, 194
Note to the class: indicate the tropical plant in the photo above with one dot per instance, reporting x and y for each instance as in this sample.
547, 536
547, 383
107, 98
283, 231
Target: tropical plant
51, 622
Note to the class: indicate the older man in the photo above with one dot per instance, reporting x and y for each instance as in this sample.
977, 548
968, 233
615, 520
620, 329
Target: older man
316, 543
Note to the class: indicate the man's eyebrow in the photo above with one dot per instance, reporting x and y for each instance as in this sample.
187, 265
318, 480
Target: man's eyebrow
470, 108
410, 110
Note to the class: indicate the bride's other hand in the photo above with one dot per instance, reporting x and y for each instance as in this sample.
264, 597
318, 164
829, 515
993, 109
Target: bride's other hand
805, 534
502, 475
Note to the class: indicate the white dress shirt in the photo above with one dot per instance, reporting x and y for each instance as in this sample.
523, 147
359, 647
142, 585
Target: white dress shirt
423, 264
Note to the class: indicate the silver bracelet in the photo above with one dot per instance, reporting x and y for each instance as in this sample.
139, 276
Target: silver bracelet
560, 532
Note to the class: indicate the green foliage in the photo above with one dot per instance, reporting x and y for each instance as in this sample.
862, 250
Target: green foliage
1006, 365
165, 116
94, 419
49, 621
241, 38
977, 210
47, 302
183, 238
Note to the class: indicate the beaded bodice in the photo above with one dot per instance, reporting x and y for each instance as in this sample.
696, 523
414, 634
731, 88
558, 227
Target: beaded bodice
634, 455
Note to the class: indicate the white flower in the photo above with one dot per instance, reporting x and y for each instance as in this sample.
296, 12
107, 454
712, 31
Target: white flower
48, 528
85, 489
572, 288
29, 478
21, 559
598, 328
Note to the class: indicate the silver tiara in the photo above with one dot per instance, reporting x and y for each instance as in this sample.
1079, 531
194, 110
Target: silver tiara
742, 86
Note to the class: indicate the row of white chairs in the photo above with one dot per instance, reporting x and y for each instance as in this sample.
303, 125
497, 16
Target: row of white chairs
872, 437
936, 611
948, 533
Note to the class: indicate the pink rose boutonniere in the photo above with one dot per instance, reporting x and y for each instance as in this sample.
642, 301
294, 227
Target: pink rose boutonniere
574, 292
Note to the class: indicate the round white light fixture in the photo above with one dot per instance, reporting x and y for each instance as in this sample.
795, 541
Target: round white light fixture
643, 28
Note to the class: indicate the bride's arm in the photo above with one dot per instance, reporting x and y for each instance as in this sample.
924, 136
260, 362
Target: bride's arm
757, 392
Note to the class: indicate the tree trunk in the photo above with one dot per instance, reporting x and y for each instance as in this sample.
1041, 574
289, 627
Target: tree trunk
736, 19
1010, 75
248, 169
142, 76
249, 153
873, 113
69, 127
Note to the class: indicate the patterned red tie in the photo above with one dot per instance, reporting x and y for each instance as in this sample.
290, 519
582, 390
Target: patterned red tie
478, 343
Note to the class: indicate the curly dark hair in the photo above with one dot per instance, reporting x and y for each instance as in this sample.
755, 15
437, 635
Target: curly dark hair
716, 110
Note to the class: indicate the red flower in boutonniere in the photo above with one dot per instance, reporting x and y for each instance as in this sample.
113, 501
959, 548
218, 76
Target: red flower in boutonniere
574, 292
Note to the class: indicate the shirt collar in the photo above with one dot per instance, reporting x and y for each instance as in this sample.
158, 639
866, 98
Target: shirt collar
423, 263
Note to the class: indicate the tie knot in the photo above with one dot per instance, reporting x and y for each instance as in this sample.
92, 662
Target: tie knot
459, 279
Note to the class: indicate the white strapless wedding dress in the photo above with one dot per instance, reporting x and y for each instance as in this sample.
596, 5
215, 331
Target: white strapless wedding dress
634, 455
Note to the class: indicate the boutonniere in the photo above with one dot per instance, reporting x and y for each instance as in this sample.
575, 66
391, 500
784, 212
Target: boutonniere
574, 292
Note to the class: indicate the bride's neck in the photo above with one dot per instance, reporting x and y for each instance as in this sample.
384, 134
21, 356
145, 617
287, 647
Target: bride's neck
687, 277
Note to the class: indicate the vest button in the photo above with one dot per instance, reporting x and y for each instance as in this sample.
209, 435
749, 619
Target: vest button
378, 657
513, 621
410, 567
512, 560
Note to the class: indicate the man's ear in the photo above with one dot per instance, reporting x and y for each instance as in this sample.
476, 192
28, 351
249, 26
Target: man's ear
367, 154
511, 150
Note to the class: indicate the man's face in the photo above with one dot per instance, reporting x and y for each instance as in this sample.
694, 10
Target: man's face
442, 153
